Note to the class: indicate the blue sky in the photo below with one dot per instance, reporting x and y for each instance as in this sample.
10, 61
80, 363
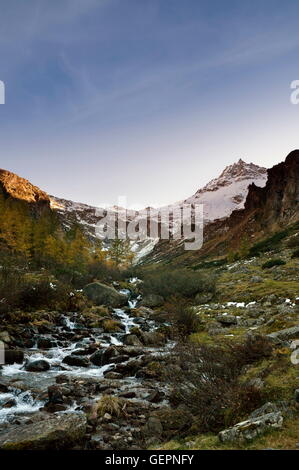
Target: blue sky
144, 98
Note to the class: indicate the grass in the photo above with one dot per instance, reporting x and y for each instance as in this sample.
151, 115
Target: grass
272, 242
280, 377
111, 326
111, 405
247, 291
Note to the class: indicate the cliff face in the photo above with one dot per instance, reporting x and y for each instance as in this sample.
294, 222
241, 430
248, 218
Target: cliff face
278, 200
266, 209
17, 188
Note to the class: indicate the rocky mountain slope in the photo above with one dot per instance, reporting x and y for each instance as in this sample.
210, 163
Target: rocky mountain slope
19, 189
238, 194
220, 198
266, 210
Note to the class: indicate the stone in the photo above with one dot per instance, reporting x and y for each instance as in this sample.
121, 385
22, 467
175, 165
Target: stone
59, 431
152, 338
104, 356
44, 343
112, 375
203, 298
100, 294
286, 334
13, 356
132, 340
4, 336
251, 428
37, 366
79, 361
152, 300
296, 395
153, 427
270, 407
55, 407
174, 421
155, 396
256, 279
256, 382
96, 358
3, 387
128, 394
55, 394
227, 319
9, 403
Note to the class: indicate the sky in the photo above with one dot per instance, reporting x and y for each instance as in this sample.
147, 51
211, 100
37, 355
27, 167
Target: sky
147, 99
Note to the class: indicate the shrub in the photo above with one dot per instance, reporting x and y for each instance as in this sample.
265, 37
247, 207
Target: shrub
183, 316
293, 242
295, 254
273, 262
210, 264
205, 380
43, 293
253, 349
177, 282
11, 280
273, 241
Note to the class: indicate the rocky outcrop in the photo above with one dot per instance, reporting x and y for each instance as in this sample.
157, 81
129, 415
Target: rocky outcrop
100, 294
248, 430
286, 334
152, 300
19, 188
60, 431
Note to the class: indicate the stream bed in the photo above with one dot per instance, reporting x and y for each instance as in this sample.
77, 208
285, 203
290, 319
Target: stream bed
68, 370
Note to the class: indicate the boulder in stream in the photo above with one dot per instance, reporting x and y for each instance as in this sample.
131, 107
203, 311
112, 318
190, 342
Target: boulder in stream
79, 361
100, 294
37, 366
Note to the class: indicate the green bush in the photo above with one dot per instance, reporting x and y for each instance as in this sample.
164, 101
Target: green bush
273, 262
178, 282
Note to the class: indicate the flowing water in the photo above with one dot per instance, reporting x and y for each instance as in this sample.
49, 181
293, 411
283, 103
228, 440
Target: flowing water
27, 390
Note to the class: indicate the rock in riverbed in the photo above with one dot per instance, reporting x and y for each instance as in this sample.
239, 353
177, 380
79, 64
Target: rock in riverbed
100, 294
37, 366
60, 431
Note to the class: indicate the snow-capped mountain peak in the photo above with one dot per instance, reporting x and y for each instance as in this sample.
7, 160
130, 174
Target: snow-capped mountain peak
222, 195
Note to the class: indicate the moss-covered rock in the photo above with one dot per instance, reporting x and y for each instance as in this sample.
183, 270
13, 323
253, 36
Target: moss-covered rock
60, 431
100, 294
